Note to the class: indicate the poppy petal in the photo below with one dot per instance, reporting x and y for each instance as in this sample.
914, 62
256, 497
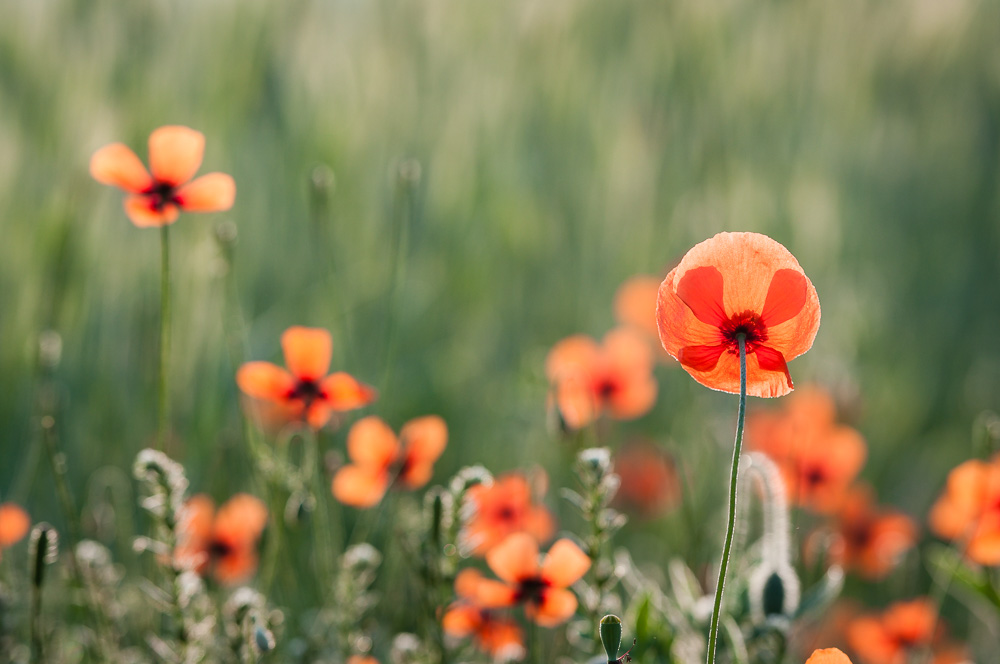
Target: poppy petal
701, 290
264, 380
240, 520
575, 401
828, 656
307, 352
467, 581
344, 392
635, 303
565, 564
557, 606
236, 566
492, 594
461, 620
425, 438
515, 558
359, 487
117, 165
371, 443
701, 358
175, 154
318, 414
195, 519
769, 359
417, 474
785, 297
14, 524
212, 192
142, 213
571, 356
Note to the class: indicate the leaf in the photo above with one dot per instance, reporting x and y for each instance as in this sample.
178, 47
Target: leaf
950, 566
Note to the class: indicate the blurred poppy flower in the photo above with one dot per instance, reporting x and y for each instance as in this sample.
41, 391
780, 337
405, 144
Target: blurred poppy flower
541, 586
868, 539
635, 303
304, 392
732, 284
649, 483
903, 629
361, 659
14, 524
969, 509
590, 379
380, 459
819, 459
499, 637
175, 155
500, 509
224, 542
828, 656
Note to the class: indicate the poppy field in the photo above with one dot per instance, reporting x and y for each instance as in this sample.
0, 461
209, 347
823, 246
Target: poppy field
437, 332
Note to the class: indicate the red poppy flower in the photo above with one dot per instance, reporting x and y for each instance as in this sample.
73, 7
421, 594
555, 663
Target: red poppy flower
868, 539
590, 379
174, 157
649, 484
733, 284
304, 392
499, 637
501, 509
14, 524
542, 587
224, 542
380, 459
969, 509
904, 629
828, 656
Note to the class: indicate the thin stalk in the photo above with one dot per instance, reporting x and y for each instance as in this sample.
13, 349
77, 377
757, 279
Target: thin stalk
323, 552
713, 633
164, 403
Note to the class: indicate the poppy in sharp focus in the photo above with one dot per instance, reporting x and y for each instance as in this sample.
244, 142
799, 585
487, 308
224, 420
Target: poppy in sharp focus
14, 524
590, 379
828, 656
156, 197
500, 509
904, 629
541, 586
380, 459
969, 510
738, 284
304, 392
868, 539
495, 635
649, 483
222, 543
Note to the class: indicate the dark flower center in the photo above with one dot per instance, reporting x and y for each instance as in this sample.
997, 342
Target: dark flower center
814, 476
531, 590
219, 549
306, 390
160, 194
750, 325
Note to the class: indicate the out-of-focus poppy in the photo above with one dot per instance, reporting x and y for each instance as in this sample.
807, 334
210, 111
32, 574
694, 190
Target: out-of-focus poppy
495, 635
733, 284
175, 155
14, 524
222, 543
828, 656
500, 509
589, 380
635, 303
903, 629
542, 587
649, 483
969, 510
304, 392
380, 459
818, 458
867, 539
361, 659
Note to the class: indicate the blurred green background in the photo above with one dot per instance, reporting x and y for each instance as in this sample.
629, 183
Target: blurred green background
562, 147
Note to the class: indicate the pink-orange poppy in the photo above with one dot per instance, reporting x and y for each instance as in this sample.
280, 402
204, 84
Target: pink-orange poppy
868, 539
541, 586
380, 459
14, 524
905, 628
649, 482
495, 635
304, 392
738, 284
969, 510
500, 509
156, 199
828, 656
222, 543
589, 380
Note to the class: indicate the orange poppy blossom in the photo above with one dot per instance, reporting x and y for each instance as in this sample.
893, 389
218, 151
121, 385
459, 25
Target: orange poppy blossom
590, 379
969, 510
904, 628
499, 637
304, 392
224, 542
828, 656
541, 586
738, 284
500, 509
156, 199
819, 459
380, 459
649, 482
361, 659
868, 539
635, 303
14, 524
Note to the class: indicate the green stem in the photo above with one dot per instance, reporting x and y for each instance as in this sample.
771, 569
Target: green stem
164, 334
713, 633
324, 551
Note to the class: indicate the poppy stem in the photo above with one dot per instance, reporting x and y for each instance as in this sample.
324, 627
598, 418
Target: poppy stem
161, 440
713, 633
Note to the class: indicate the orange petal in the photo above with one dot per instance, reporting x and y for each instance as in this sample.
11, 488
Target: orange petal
236, 567
264, 380
565, 564
117, 165
467, 582
461, 620
143, 214
307, 352
416, 475
371, 443
240, 520
175, 154
828, 656
769, 359
213, 192
195, 519
318, 414
557, 606
575, 401
571, 356
869, 640
492, 594
425, 438
359, 487
343, 392
701, 358
635, 303
14, 524
701, 290
515, 558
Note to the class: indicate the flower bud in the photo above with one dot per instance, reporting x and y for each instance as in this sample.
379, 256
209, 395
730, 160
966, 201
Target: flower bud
611, 636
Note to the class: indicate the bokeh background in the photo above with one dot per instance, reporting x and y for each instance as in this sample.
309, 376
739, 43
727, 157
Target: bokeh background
451, 187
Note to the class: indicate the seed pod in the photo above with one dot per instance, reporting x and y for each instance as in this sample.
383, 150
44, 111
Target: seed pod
611, 636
